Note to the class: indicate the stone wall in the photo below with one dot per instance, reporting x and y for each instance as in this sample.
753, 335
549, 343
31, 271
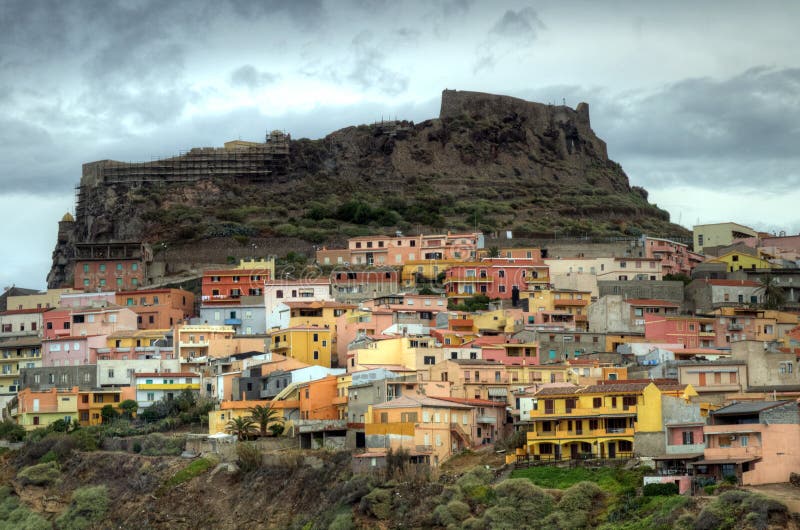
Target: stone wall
671, 291
649, 443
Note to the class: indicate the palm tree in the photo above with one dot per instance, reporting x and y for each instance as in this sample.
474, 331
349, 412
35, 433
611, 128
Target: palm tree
242, 427
774, 297
264, 416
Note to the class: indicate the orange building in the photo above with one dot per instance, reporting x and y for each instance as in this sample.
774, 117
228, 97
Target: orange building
158, 308
318, 399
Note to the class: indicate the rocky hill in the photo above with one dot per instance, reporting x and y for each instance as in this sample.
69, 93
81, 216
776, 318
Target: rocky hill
491, 162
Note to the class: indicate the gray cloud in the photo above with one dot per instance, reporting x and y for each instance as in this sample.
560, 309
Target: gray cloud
742, 130
513, 31
523, 25
368, 70
250, 77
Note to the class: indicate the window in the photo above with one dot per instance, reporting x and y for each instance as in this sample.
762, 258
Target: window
429, 359
279, 294
85, 267
110, 372
102, 267
316, 355
688, 438
134, 266
151, 396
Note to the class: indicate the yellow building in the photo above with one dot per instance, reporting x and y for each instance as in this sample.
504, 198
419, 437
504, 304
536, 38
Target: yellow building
566, 300
719, 235
91, 403
49, 298
40, 409
736, 261
320, 314
415, 353
500, 320
427, 270
597, 421
16, 353
308, 344
261, 265
135, 338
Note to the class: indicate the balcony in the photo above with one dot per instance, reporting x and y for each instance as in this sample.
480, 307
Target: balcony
735, 327
580, 433
196, 344
424, 448
486, 419
571, 303
585, 412
233, 321
169, 386
706, 334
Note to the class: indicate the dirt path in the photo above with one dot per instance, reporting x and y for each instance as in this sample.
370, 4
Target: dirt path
786, 493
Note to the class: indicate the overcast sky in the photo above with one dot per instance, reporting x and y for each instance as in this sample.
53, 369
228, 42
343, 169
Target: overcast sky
699, 101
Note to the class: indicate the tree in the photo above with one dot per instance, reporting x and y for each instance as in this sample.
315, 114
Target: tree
128, 408
108, 413
242, 427
774, 297
264, 416
493, 252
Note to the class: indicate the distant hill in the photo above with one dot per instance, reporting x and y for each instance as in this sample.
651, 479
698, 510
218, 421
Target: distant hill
491, 162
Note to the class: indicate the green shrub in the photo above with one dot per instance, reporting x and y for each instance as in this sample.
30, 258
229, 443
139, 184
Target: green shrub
276, 429
156, 444
11, 431
442, 516
378, 503
49, 456
710, 489
89, 505
343, 521
194, 469
474, 486
16, 516
249, 457
40, 474
650, 490
459, 510
518, 502
137, 447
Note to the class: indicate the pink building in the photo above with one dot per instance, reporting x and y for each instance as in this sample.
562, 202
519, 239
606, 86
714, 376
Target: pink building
512, 352
496, 278
87, 299
398, 249
756, 442
676, 258
72, 351
691, 331
57, 323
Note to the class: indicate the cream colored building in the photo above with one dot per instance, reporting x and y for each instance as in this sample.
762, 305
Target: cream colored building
719, 234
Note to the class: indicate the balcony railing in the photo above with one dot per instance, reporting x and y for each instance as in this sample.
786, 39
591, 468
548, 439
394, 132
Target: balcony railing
586, 433
424, 448
585, 411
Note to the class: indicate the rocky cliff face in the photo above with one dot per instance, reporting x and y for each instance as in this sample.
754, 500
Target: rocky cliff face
495, 162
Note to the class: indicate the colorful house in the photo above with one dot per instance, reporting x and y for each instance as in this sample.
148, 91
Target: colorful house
755, 442
597, 421
158, 308
155, 386
17, 353
736, 261
495, 278
308, 344
228, 286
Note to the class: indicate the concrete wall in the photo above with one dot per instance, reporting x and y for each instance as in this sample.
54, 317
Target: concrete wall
649, 443
611, 313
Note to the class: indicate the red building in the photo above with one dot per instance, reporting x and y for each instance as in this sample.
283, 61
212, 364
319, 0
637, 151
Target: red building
691, 331
57, 323
496, 278
227, 286
158, 308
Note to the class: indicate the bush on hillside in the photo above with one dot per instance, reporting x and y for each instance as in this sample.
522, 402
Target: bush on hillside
157, 444
89, 505
249, 457
11, 431
39, 475
651, 490
16, 516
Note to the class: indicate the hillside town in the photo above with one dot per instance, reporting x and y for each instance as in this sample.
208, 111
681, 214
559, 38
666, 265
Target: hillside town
681, 354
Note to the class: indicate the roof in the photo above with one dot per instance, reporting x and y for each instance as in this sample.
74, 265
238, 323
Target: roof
25, 311
651, 302
166, 374
747, 407
474, 402
557, 391
733, 283
424, 401
724, 461
679, 456
485, 362
16, 342
631, 387
319, 304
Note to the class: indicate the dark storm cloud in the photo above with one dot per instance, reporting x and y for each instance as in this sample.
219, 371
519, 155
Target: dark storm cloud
519, 25
250, 77
307, 14
369, 71
741, 131
513, 32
